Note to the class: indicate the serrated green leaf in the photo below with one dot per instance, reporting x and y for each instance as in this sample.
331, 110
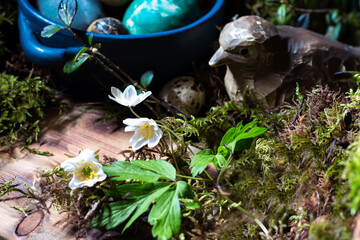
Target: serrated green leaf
241, 129
184, 190
234, 137
146, 79
135, 190
138, 201
50, 30
144, 203
72, 65
254, 132
165, 215
165, 169
222, 151
67, 10
113, 214
122, 170
200, 161
219, 161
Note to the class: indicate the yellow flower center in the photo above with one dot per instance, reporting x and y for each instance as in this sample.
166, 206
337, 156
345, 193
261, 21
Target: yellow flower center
86, 171
146, 131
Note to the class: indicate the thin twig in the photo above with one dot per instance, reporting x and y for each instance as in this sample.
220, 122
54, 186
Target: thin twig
102, 59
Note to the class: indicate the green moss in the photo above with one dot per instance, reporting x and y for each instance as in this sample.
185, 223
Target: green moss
22, 105
293, 173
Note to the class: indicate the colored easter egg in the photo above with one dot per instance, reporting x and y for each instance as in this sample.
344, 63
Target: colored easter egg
88, 11
107, 25
150, 16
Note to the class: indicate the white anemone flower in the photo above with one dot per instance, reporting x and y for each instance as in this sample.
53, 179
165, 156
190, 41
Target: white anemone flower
86, 169
129, 97
146, 132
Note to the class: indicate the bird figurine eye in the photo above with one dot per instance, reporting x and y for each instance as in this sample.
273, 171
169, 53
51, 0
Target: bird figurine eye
244, 52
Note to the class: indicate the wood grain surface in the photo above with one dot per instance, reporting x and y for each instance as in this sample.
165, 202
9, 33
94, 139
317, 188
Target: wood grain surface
63, 134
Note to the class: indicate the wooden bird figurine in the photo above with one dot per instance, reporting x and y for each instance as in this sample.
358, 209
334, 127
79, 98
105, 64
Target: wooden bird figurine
267, 61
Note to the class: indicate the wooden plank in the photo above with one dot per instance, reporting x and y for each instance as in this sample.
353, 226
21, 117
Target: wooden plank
65, 134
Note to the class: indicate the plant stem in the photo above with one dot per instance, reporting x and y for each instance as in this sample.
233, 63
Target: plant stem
132, 110
172, 154
208, 175
167, 129
109, 69
193, 178
223, 169
113, 65
102, 59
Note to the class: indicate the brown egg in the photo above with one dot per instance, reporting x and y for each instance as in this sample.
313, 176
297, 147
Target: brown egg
107, 25
115, 3
184, 92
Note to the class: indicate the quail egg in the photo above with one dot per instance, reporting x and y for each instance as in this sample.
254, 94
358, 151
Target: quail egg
107, 25
184, 92
151, 16
115, 3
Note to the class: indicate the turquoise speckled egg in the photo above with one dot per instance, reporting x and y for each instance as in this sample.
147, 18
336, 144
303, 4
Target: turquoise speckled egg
150, 16
88, 11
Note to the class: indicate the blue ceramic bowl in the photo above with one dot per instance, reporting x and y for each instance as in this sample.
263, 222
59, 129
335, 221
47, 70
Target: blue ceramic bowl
168, 53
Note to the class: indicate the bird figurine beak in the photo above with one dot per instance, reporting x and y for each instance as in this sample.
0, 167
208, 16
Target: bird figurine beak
219, 58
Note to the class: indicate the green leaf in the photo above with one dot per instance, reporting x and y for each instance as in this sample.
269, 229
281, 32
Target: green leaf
122, 170
67, 10
165, 169
73, 64
144, 203
189, 204
135, 190
139, 200
165, 215
50, 30
184, 190
254, 132
234, 137
113, 214
90, 39
200, 161
146, 79
219, 161
77, 56
281, 14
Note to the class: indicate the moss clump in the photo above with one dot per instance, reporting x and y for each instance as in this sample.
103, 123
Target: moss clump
293, 175
21, 106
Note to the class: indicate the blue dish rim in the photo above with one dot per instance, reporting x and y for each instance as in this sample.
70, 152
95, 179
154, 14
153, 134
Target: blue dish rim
215, 9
